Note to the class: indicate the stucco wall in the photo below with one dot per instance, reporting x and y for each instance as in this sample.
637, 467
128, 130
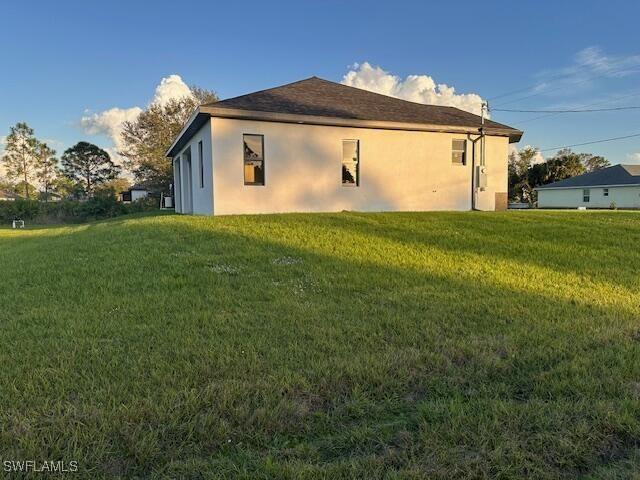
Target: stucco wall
623, 197
201, 199
399, 170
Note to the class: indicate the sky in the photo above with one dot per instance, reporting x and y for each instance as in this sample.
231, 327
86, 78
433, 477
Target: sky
75, 70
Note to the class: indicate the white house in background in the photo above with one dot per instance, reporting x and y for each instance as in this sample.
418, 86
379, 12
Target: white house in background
617, 186
319, 146
136, 192
8, 196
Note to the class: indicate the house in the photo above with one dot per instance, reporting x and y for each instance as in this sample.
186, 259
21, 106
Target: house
319, 146
49, 197
6, 196
617, 186
136, 192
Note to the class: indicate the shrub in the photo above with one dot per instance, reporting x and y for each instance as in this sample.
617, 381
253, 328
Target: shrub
71, 211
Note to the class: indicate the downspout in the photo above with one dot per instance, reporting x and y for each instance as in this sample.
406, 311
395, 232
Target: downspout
474, 190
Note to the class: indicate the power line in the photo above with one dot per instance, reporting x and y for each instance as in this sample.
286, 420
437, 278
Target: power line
531, 87
610, 100
542, 83
584, 110
605, 74
590, 143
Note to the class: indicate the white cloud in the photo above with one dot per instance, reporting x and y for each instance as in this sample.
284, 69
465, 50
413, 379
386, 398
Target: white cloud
415, 88
170, 88
595, 60
110, 122
588, 65
634, 157
538, 158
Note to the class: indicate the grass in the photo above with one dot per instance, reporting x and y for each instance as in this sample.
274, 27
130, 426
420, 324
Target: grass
404, 345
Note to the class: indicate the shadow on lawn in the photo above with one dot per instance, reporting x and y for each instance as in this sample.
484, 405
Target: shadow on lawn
346, 364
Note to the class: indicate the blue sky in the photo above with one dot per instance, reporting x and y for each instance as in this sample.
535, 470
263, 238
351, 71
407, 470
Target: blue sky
65, 60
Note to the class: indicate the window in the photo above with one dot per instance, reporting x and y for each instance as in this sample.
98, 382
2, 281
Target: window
605, 192
350, 163
586, 195
200, 164
459, 152
253, 159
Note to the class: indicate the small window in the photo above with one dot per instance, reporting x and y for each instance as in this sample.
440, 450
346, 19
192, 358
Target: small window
605, 192
586, 195
253, 159
459, 152
350, 163
200, 164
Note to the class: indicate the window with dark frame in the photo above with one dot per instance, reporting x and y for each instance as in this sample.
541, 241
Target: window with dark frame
459, 152
253, 146
586, 195
351, 163
605, 192
200, 164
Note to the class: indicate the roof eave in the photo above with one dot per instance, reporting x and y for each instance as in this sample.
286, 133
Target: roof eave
222, 112
604, 185
196, 120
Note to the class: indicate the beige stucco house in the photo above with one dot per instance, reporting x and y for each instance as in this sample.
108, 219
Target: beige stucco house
319, 146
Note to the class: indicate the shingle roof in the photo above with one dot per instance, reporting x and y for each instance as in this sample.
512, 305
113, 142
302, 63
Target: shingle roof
614, 175
323, 98
320, 102
7, 194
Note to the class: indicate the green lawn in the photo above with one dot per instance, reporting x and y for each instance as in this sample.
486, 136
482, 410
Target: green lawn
350, 345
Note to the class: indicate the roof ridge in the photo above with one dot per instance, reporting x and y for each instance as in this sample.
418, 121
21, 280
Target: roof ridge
391, 96
360, 90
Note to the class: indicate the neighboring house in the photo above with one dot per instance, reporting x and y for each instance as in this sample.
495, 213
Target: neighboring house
49, 197
617, 186
6, 196
316, 145
134, 193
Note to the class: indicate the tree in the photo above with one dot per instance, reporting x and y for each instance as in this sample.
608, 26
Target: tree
6, 185
594, 162
113, 187
564, 164
147, 139
19, 155
88, 166
518, 167
66, 188
21, 187
46, 167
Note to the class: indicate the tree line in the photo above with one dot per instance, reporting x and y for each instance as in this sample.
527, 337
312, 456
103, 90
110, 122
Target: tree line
33, 169
526, 173
80, 171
